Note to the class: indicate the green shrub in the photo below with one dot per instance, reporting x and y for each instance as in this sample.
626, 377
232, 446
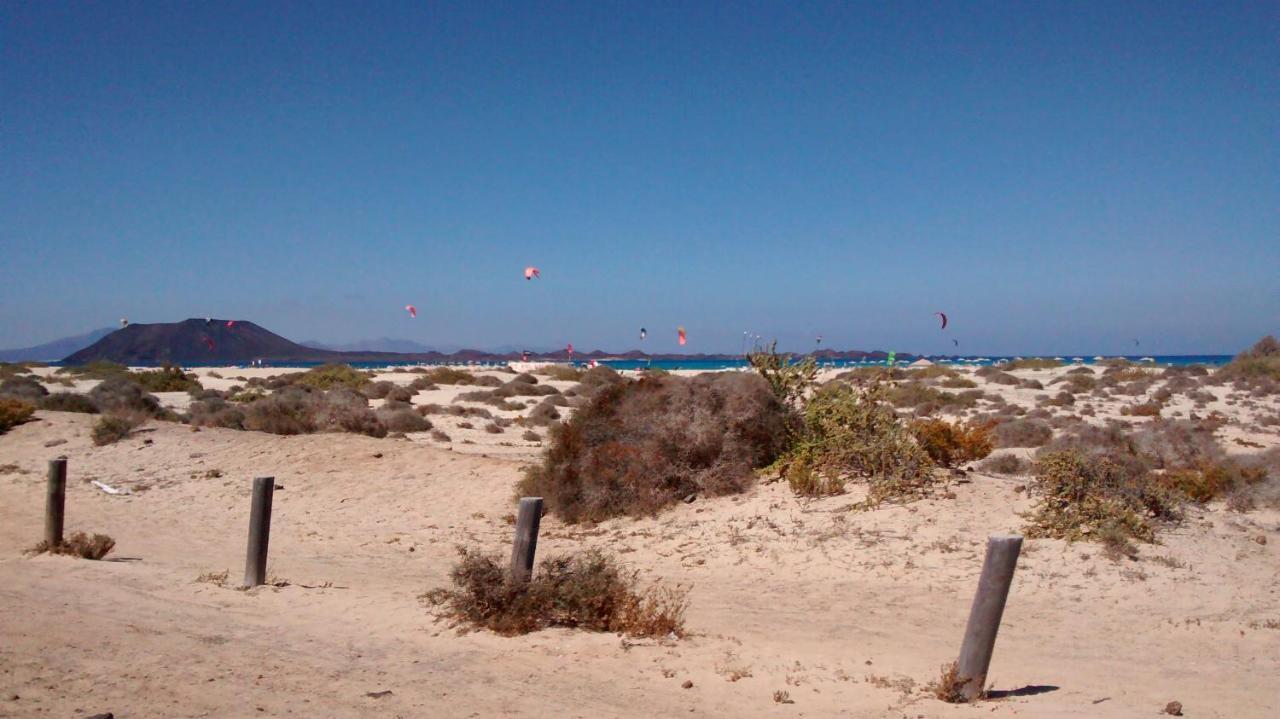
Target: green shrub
950, 444
788, 380
14, 412
561, 373
1081, 495
637, 447
115, 427
1260, 361
68, 402
588, 590
1032, 363
854, 432
448, 375
330, 376
166, 379
301, 410
98, 369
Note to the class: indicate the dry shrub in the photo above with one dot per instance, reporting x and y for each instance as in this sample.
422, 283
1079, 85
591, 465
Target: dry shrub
588, 590
402, 419
115, 427
23, 388
1081, 495
1022, 433
639, 446
561, 373
949, 444
596, 378
13, 369
98, 369
517, 388
448, 375
119, 394
440, 436
853, 432
531, 436
933, 372
958, 383
1031, 384
1005, 464
422, 384
14, 412
400, 394
912, 394
301, 410
493, 428
544, 414
1081, 370
215, 412
68, 402
378, 390
80, 545
949, 685
994, 374
1061, 399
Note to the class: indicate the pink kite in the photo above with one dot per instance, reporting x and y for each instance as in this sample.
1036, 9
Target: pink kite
570, 348
680, 334
210, 344
532, 272
231, 323
413, 311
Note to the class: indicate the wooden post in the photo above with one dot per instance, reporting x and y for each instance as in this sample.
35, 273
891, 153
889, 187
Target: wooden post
526, 540
255, 565
984, 617
55, 503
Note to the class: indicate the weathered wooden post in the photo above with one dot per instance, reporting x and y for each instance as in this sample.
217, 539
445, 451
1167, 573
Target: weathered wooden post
984, 617
526, 540
255, 565
55, 502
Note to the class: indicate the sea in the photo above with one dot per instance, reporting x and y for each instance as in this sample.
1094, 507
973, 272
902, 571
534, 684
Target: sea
953, 360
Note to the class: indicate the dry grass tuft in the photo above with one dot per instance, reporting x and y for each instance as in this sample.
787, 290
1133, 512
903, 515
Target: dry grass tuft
80, 545
949, 685
112, 428
949, 444
14, 412
587, 590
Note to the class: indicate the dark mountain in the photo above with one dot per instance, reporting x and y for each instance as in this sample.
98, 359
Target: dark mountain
50, 351
215, 342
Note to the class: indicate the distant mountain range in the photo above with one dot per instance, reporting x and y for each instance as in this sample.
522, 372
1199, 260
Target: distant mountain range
55, 350
231, 342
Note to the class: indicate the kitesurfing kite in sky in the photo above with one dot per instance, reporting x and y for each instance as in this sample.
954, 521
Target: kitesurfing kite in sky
413, 311
643, 333
531, 272
943, 315
681, 336
231, 323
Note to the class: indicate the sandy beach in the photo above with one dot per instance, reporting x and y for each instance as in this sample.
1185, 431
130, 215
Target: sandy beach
798, 607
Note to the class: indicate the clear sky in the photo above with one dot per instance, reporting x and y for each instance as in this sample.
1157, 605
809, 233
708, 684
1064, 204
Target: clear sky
1058, 177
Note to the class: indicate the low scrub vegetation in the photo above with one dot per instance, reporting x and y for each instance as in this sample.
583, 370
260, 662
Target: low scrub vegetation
562, 373
638, 446
1082, 495
1258, 366
330, 376
1032, 363
588, 590
23, 388
853, 433
1023, 433
448, 375
80, 545
166, 379
112, 428
788, 379
122, 395
950, 444
68, 402
1005, 464
14, 412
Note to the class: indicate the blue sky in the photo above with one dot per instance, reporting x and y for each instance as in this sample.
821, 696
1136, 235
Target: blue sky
1058, 177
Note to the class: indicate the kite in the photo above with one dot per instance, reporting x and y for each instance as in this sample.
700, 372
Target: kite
819, 340
891, 359
944, 318
231, 323
531, 272
681, 336
955, 342
124, 322
210, 344
413, 311
643, 333
570, 350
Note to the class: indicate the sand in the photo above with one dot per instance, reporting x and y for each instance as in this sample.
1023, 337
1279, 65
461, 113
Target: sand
847, 613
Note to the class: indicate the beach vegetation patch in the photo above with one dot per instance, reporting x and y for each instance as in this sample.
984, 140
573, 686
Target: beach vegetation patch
1032, 363
1022, 433
14, 412
559, 372
68, 402
80, 545
950, 444
639, 446
853, 433
448, 375
329, 376
120, 394
112, 428
587, 590
789, 379
166, 379
24, 388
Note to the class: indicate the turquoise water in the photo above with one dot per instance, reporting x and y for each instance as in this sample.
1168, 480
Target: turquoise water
691, 364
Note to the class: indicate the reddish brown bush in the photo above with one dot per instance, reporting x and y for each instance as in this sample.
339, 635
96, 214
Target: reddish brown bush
950, 444
14, 412
640, 446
